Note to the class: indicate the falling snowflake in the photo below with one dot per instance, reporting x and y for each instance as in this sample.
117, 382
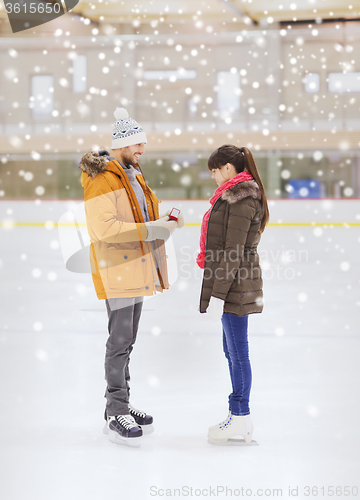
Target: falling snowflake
279, 331
153, 381
36, 273
155, 330
344, 266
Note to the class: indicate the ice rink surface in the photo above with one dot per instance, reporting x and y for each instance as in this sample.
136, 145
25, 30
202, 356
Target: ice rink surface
304, 351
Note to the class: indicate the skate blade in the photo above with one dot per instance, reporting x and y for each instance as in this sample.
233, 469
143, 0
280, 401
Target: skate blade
232, 442
147, 429
131, 442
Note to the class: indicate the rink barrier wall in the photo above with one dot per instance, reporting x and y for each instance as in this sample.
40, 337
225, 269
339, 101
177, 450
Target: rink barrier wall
49, 225
284, 212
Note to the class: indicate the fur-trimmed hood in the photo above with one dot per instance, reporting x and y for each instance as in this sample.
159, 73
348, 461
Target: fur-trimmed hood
93, 163
242, 190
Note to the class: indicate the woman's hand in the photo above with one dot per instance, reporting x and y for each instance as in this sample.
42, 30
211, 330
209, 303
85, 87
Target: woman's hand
215, 308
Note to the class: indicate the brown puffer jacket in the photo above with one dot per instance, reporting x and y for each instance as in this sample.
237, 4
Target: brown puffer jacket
232, 271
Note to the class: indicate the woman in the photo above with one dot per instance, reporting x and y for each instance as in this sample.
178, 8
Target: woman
232, 283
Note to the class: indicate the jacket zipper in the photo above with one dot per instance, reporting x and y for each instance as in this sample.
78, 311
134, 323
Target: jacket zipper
207, 229
141, 217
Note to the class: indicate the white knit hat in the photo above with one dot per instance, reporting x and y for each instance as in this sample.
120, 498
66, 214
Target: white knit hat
126, 131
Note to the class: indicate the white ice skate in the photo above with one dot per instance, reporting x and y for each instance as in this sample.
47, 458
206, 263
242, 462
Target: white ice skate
234, 426
226, 421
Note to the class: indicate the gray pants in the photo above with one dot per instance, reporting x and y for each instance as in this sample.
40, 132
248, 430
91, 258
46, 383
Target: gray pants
124, 315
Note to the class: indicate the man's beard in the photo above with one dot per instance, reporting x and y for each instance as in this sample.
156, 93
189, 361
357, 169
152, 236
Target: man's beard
128, 161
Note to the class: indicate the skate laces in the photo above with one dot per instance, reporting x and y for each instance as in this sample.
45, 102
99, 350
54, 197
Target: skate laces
136, 412
226, 421
126, 421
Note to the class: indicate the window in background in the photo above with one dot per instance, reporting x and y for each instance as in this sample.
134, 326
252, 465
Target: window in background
344, 82
183, 74
228, 91
42, 91
193, 101
79, 74
312, 82
305, 188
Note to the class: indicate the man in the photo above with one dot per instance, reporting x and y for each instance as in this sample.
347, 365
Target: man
128, 259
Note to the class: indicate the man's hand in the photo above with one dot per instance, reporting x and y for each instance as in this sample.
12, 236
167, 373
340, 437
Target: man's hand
160, 229
180, 221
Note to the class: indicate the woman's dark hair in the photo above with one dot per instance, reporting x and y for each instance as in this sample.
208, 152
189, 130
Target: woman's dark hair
242, 159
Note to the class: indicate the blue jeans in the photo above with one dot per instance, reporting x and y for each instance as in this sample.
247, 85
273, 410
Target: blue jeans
236, 349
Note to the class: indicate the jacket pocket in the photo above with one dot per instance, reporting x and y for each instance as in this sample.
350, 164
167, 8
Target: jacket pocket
126, 269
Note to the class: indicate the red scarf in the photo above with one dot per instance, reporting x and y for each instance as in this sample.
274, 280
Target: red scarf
243, 176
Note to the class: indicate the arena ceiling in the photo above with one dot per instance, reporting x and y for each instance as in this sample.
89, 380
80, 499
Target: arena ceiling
190, 11
263, 12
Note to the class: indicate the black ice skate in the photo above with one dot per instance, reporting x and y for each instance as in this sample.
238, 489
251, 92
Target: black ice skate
123, 429
140, 417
